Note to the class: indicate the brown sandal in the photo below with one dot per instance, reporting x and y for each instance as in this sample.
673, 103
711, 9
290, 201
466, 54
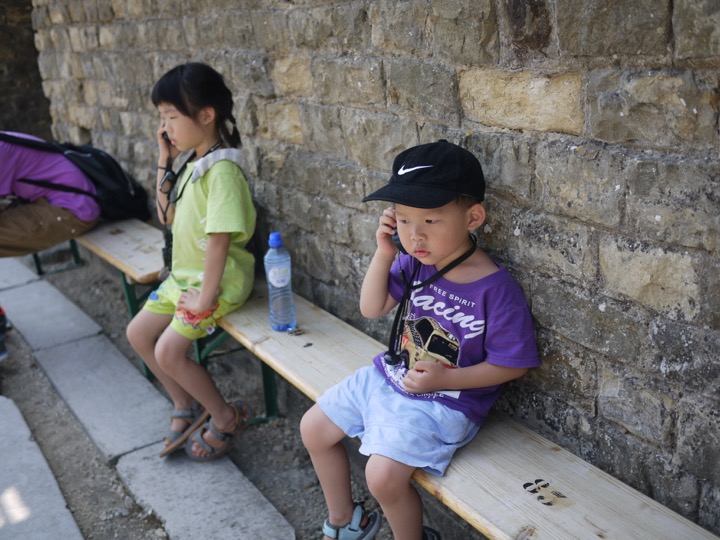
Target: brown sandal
195, 415
243, 415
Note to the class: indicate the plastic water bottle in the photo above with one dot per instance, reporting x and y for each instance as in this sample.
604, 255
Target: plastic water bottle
278, 270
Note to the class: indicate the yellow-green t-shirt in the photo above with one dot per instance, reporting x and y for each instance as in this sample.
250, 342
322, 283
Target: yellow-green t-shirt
217, 202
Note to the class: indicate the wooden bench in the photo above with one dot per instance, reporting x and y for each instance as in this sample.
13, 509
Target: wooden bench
508, 483
135, 249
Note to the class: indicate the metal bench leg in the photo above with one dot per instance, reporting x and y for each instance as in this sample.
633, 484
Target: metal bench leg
204, 347
75, 252
270, 390
38, 264
77, 260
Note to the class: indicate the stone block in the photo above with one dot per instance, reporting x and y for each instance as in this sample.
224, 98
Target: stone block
639, 28
149, 33
660, 279
656, 108
698, 436
710, 508
568, 372
497, 231
648, 469
48, 67
530, 28
687, 356
675, 200
696, 29
362, 229
316, 258
322, 130
338, 28
170, 35
549, 245
586, 182
710, 307
58, 14
373, 140
270, 28
610, 328
399, 27
234, 29
465, 31
279, 121
640, 404
425, 89
508, 163
551, 416
348, 81
249, 72
40, 17
523, 100
41, 43
83, 38
60, 38
292, 75
76, 11
138, 9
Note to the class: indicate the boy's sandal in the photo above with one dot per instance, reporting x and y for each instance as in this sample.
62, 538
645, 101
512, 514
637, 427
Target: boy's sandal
243, 415
353, 530
430, 534
194, 415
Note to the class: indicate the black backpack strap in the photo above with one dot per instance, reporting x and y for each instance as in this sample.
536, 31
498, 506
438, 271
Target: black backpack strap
56, 187
31, 143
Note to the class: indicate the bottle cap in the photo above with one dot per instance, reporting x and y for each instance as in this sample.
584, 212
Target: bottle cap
275, 240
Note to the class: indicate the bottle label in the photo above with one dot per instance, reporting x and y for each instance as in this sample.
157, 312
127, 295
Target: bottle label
279, 277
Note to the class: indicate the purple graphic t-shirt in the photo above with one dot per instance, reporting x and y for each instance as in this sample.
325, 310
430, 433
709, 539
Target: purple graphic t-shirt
460, 325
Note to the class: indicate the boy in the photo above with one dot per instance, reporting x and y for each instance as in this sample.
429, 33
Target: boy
467, 331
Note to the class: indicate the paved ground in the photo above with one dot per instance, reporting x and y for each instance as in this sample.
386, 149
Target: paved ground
120, 411
95, 425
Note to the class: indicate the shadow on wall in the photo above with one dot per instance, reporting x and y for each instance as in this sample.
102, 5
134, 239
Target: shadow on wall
25, 107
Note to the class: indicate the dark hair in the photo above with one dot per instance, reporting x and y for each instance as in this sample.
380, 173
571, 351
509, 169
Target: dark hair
466, 201
192, 86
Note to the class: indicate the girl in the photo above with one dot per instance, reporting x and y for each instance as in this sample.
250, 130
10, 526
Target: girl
209, 205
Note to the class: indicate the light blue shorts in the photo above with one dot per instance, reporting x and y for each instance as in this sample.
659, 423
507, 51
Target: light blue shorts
418, 433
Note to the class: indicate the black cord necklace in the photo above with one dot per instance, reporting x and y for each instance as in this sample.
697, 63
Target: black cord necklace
182, 169
393, 355
171, 177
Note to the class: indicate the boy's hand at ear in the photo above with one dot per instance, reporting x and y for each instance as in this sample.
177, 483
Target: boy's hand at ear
386, 229
426, 376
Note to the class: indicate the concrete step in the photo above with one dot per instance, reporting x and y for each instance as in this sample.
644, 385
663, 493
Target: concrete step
124, 415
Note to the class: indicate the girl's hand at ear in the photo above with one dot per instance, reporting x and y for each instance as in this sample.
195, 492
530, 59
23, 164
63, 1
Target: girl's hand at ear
426, 377
167, 150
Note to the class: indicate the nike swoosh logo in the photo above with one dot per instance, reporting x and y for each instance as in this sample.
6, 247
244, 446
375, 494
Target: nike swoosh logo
403, 170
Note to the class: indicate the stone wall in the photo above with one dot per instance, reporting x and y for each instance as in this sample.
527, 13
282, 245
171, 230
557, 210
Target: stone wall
24, 106
596, 123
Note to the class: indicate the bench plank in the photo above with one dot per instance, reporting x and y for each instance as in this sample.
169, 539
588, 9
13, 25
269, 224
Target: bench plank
132, 246
567, 498
508, 483
326, 352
